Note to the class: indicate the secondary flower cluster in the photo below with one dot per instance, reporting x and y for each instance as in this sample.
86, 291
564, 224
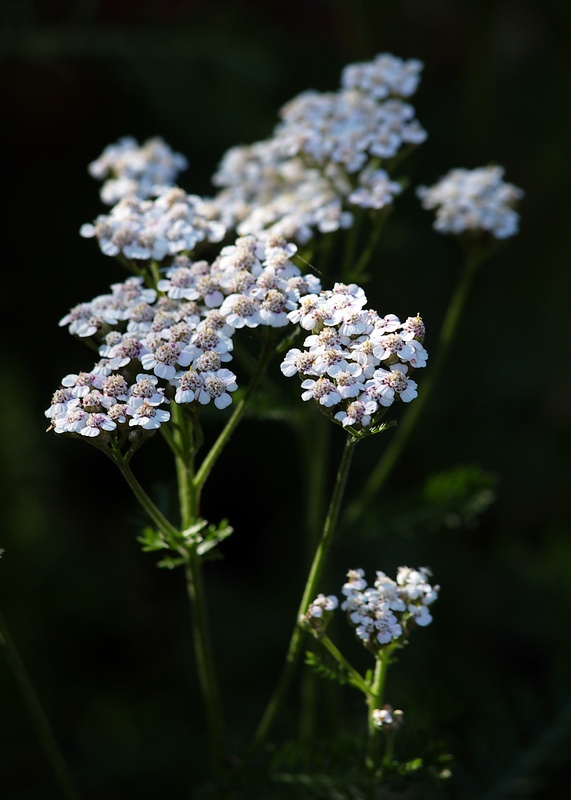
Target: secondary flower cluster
181, 334
477, 199
324, 156
355, 363
381, 614
386, 612
130, 169
173, 222
387, 718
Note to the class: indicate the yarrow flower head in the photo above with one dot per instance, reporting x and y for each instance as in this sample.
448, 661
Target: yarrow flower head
129, 169
174, 222
471, 200
385, 613
387, 718
319, 613
325, 156
356, 363
173, 343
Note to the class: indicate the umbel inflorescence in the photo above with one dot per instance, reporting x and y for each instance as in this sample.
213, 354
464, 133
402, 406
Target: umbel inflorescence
382, 614
173, 343
329, 155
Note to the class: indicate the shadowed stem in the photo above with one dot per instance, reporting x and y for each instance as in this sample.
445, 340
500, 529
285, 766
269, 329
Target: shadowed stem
205, 664
376, 701
43, 727
314, 438
405, 428
187, 437
201, 638
296, 641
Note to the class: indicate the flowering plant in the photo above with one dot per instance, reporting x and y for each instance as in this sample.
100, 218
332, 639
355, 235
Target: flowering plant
258, 265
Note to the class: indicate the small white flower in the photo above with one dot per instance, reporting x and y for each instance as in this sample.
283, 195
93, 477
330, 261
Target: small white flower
148, 417
322, 390
215, 386
189, 384
358, 414
321, 604
95, 423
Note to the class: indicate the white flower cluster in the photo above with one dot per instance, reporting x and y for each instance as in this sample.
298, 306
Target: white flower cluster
318, 614
385, 75
90, 403
262, 191
154, 229
386, 612
181, 334
355, 363
477, 199
130, 169
322, 604
324, 156
387, 718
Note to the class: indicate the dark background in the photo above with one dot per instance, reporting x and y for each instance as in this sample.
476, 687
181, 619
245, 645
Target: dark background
103, 633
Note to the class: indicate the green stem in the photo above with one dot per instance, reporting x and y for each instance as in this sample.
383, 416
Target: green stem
405, 428
43, 727
376, 701
185, 440
296, 641
231, 425
205, 663
184, 461
357, 679
314, 438
154, 513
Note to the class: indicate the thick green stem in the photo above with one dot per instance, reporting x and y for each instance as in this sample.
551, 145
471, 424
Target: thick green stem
375, 701
51, 748
405, 428
203, 649
186, 440
205, 664
296, 641
314, 435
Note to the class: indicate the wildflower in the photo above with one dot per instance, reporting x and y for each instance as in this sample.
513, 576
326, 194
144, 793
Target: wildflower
345, 353
477, 199
215, 386
387, 718
384, 614
323, 155
321, 604
130, 169
318, 614
95, 423
148, 417
172, 223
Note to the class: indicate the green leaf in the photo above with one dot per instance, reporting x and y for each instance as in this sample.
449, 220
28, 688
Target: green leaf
170, 562
335, 672
214, 535
152, 540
